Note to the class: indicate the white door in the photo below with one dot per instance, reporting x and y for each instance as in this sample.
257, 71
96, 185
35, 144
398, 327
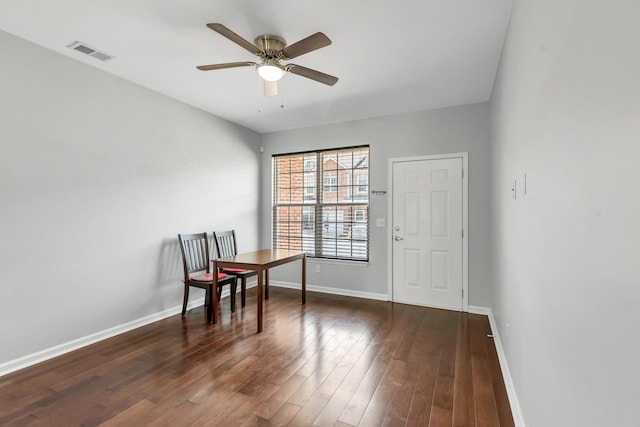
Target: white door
427, 232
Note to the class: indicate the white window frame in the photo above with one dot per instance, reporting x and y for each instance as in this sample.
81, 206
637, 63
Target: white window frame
325, 233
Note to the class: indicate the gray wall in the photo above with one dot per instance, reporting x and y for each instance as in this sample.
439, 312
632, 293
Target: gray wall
97, 176
566, 111
448, 130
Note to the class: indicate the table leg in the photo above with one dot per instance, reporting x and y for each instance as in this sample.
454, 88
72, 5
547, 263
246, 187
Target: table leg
304, 278
266, 284
214, 293
260, 302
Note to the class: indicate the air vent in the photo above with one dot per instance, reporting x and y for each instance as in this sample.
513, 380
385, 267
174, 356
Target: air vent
88, 50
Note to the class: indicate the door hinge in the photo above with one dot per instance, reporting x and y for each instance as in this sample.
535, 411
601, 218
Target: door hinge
462, 293
463, 233
463, 173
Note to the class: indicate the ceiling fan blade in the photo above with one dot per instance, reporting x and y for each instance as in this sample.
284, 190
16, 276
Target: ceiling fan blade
222, 66
306, 45
312, 74
221, 29
270, 87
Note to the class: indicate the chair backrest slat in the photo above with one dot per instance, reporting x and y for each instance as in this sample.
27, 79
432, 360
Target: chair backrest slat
195, 252
198, 254
190, 255
225, 243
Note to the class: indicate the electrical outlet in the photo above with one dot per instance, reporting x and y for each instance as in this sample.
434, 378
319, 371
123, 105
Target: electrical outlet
506, 330
317, 268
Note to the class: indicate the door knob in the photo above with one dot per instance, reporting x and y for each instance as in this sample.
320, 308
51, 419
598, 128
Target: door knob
398, 238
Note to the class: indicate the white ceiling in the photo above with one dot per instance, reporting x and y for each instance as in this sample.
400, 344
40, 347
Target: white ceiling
391, 57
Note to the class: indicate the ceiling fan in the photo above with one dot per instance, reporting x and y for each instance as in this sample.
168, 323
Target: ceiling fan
272, 50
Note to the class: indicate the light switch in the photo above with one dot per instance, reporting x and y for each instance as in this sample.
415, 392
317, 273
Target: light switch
380, 222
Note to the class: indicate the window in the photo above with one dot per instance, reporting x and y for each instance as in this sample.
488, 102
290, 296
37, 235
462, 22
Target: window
330, 184
361, 180
321, 203
309, 188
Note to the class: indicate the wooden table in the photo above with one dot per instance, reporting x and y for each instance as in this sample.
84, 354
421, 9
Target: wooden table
259, 261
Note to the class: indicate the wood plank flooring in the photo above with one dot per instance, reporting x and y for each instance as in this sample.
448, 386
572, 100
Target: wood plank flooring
337, 361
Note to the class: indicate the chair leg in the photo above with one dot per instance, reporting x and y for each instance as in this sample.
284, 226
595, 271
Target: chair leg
185, 299
232, 294
243, 290
208, 305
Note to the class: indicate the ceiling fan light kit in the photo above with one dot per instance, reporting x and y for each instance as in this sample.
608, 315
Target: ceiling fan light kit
272, 50
270, 73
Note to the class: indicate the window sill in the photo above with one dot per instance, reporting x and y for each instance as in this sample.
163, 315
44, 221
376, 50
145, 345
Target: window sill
349, 262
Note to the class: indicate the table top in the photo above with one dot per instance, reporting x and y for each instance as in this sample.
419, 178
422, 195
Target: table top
265, 258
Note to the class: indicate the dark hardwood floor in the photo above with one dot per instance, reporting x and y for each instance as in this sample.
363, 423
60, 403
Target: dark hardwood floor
337, 361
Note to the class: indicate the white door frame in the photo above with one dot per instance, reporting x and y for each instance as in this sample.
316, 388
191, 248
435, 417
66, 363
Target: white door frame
465, 221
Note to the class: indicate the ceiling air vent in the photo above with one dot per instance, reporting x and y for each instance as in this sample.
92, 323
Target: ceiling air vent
88, 50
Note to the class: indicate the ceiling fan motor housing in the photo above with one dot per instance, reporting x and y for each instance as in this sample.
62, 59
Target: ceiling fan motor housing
270, 47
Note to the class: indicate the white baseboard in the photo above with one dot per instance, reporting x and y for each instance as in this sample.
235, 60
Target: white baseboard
333, 291
58, 350
474, 309
516, 410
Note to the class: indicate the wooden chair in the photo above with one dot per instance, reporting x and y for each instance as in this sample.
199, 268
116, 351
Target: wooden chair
197, 271
226, 246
